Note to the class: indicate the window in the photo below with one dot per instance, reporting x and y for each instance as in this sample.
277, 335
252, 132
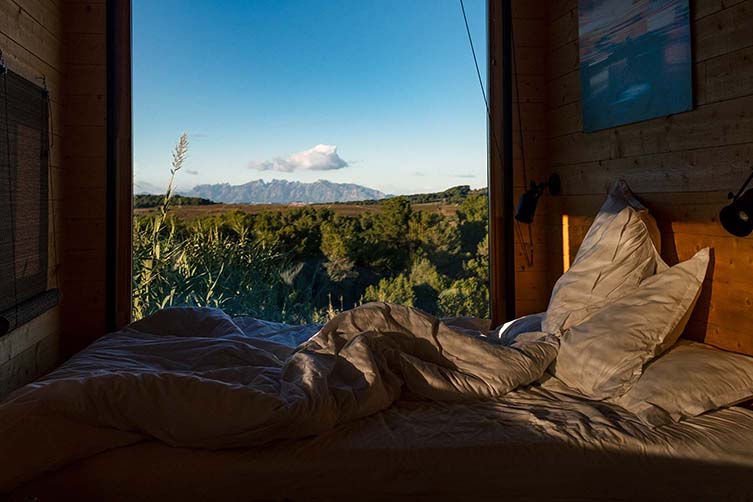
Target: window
335, 154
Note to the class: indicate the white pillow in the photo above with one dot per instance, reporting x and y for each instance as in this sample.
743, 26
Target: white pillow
509, 331
604, 356
690, 379
618, 252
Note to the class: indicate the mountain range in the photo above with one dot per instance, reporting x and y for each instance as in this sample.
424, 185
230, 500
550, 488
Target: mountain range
284, 192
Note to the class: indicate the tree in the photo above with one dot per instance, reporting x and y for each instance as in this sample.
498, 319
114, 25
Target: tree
427, 283
386, 245
392, 223
438, 239
340, 242
395, 290
295, 232
465, 297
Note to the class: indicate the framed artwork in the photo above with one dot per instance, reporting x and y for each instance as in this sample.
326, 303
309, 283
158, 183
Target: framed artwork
635, 60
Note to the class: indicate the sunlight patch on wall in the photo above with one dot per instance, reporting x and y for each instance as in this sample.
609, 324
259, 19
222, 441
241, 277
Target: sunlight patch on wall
565, 243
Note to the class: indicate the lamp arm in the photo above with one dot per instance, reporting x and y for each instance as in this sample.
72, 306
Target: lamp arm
745, 185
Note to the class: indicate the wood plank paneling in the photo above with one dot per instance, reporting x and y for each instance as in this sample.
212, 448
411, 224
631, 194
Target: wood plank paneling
27, 335
723, 32
85, 163
532, 95
35, 360
702, 8
64, 42
680, 166
30, 42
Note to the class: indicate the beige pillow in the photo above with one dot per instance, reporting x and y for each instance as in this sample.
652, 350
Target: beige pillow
690, 379
604, 356
619, 251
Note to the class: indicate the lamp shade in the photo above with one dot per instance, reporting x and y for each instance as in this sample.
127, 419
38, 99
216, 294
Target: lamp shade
527, 206
526, 209
737, 217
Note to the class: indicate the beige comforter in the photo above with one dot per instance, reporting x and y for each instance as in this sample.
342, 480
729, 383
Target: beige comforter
191, 378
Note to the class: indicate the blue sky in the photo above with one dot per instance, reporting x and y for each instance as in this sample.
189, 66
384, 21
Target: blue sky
268, 88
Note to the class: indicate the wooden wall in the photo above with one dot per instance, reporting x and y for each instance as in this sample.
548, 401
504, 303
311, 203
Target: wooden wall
31, 40
530, 152
63, 42
85, 151
681, 166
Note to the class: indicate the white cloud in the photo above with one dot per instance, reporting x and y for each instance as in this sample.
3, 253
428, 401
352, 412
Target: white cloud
319, 158
192, 172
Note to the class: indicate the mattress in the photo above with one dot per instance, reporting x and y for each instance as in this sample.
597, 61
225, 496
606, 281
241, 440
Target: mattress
531, 445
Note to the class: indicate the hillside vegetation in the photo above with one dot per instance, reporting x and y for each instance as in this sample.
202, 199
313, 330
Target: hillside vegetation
454, 195
301, 264
145, 201
305, 263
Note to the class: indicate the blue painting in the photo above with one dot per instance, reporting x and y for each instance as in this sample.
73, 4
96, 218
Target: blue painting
635, 60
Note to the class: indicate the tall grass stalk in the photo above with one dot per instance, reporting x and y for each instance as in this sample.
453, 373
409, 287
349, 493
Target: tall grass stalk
208, 264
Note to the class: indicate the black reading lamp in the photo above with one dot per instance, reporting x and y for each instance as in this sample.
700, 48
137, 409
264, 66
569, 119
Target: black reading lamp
737, 217
530, 198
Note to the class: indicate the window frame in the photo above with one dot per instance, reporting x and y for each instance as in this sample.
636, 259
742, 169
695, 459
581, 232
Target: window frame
500, 162
119, 185
119, 177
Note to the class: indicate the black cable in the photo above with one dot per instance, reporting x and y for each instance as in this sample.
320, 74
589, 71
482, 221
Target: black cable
742, 188
475, 59
521, 141
50, 146
495, 143
517, 94
50, 125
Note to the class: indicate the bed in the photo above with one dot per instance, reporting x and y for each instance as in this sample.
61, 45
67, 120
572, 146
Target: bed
532, 444
596, 399
531, 447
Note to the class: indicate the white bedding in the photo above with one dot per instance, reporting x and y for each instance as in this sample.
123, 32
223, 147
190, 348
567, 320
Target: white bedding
193, 378
528, 444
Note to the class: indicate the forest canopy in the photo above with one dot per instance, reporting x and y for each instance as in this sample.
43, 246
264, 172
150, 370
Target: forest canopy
149, 200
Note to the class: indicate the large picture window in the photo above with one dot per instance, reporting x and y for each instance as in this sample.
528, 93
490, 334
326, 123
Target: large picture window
343, 163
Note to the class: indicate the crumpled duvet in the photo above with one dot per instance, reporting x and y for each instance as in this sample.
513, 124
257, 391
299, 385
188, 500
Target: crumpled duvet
190, 377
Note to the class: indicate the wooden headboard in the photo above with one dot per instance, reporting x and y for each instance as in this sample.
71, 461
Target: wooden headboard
681, 167
688, 222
